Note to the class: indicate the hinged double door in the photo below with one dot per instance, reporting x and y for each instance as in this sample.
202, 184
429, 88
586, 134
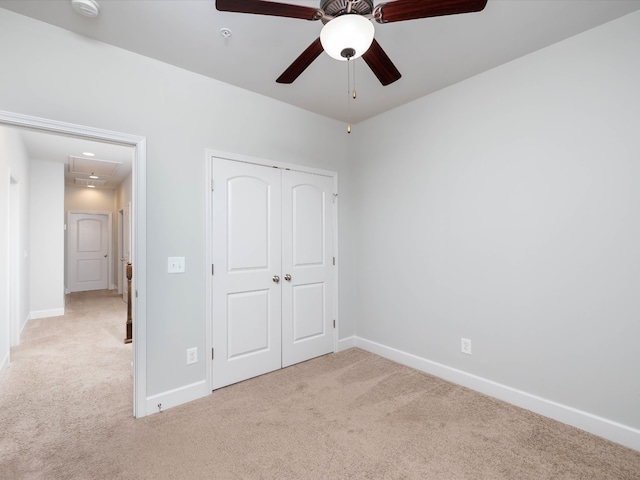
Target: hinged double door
273, 288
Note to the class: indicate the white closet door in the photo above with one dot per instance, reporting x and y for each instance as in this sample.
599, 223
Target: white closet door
307, 266
247, 258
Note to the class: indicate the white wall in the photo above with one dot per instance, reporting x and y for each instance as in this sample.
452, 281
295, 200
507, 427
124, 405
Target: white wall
123, 196
100, 200
14, 221
47, 239
21, 174
89, 199
5, 332
502, 209
505, 209
181, 114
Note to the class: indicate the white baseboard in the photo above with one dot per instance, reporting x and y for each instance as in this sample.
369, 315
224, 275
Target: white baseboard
4, 365
24, 325
16, 340
55, 312
178, 396
614, 431
346, 343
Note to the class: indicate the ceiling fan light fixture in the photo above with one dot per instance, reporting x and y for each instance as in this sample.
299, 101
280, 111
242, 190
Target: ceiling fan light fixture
86, 8
347, 37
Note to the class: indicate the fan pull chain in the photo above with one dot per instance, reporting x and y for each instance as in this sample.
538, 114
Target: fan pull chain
348, 96
354, 81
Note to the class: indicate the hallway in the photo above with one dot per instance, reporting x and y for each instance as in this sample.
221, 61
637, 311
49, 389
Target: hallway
66, 370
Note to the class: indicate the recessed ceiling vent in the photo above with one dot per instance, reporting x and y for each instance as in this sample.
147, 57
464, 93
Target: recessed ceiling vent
87, 8
90, 166
85, 182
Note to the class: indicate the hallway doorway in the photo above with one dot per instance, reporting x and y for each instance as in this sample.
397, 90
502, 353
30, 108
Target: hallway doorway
138, 230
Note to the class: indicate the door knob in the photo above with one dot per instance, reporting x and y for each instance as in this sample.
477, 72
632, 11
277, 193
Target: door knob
105, 255
276, 279
287, 277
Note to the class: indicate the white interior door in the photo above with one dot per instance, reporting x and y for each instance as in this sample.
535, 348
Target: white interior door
273, 284
247, 258
88, 251
307, 266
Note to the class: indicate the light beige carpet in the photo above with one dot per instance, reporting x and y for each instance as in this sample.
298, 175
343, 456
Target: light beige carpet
65, 413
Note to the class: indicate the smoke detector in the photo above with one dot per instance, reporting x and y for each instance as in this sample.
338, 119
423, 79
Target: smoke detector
87, 8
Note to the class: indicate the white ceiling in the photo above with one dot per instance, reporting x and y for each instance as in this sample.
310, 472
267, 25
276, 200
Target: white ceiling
112, 163
430, 53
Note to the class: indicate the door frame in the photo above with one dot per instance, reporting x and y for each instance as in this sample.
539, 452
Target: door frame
209, 186
109, 216
121, 285
14, 296
138, 232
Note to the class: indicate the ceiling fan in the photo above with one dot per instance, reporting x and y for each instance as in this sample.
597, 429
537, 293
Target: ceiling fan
336, 14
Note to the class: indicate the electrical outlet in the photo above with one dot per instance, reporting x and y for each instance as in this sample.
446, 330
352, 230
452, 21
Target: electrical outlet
465, 346
192, 355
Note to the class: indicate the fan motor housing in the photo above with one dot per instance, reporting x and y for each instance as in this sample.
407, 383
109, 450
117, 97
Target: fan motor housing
335, 8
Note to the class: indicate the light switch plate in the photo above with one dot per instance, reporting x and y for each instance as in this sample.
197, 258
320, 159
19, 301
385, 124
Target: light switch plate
176, 265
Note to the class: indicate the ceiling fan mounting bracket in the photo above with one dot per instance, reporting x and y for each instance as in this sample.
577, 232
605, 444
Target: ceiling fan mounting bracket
335, 8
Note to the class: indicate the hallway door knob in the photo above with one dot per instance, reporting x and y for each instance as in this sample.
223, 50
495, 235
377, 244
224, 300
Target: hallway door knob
287, 277
276, 279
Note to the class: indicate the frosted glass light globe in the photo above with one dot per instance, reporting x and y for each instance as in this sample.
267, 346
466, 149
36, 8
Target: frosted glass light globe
344, 32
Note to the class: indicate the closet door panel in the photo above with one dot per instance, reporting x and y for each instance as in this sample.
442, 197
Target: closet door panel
307, 266
247, 257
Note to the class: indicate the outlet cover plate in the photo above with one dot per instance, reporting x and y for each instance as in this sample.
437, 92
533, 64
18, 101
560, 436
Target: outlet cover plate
192, 355
465, 346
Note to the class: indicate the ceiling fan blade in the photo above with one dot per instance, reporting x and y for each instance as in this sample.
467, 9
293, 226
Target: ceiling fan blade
412, 9
261, 7
301, 63
380, 64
